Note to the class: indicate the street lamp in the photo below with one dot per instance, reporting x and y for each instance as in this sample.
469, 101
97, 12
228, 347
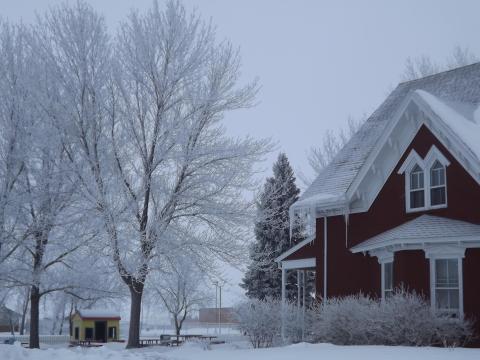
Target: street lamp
218, 305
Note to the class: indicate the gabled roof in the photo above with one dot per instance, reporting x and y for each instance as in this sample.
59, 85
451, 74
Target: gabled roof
454, 92
293, 249
424, 230
98, 314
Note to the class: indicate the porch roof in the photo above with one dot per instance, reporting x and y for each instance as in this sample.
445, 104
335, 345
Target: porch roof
294, 249
423, 231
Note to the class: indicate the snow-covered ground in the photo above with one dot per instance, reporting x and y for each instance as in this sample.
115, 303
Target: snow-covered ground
196, 351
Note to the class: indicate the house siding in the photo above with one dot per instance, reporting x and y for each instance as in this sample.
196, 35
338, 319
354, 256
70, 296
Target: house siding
350, 273
411, 268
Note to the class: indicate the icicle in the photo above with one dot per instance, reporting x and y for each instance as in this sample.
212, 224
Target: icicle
347, 217
291, 216
312, 221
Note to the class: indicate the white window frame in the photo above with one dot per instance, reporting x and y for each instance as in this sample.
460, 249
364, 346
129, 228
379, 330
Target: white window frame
409, 189
425, 164
430, 187
383, 256
443, 253
384, 290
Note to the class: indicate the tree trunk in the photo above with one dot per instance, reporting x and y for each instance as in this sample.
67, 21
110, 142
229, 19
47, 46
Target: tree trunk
24, 312
136, 292
70, 322
34, 342
177, 327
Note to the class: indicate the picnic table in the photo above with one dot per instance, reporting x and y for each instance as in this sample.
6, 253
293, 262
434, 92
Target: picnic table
85, 343
170, 340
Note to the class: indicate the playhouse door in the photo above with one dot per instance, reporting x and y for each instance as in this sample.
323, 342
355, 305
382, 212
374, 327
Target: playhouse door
101, 331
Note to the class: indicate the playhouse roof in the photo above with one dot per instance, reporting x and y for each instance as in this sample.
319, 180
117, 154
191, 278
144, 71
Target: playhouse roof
98, 314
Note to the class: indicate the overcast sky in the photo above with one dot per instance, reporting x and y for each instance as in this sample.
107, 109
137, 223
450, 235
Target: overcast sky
318, 61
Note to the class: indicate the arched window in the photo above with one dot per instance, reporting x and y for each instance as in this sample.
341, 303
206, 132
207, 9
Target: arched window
417, 188
438, 189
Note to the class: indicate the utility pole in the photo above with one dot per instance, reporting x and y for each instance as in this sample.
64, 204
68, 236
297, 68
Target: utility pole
220, 312
216, 304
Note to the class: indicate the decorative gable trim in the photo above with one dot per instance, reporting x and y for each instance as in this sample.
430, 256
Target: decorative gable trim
435, 155
405, 124
412, 159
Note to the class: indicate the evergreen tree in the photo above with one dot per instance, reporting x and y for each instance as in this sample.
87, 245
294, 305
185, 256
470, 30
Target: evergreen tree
272, 234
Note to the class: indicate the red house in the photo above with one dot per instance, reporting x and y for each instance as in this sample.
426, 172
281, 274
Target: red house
400, 203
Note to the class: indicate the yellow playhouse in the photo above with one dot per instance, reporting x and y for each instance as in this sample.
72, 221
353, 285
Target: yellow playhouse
95, 325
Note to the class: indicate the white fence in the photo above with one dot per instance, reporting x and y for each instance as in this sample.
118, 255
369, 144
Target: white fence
45, 339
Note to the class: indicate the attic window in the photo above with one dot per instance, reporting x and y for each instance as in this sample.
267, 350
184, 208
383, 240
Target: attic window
417, 188
425, 180
438, 187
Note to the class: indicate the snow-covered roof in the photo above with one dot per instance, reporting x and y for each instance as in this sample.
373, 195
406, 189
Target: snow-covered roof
97, 314
462, 118
453, 95
425, 229
294, 248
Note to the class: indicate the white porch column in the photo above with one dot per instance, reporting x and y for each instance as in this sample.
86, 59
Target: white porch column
325, 257
299, 288
304, 283
284, 282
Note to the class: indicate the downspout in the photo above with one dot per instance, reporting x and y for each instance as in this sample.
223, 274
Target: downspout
325, 237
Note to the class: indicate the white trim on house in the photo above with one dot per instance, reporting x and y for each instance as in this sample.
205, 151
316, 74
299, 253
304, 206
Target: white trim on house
424, 116
392, 143
444, 254
425, 164
299, 264
417, 244
383, 278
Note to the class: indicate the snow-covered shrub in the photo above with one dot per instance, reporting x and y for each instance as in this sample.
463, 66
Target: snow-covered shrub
404, 319
261, 322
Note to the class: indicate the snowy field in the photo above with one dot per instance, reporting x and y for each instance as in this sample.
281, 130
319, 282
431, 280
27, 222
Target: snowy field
196, 351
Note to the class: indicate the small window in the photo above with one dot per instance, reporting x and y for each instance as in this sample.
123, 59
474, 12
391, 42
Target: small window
447, 290
417, 188
112, 331
88, 333
438, 189
387, 280
77, 333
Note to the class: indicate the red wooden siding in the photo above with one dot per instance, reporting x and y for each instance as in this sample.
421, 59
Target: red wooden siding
351, 273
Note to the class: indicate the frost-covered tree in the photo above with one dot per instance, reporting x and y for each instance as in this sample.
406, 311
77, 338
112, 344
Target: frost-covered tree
332, 142
321, 155
272, 234
181, 290
15, 116
141, 118
424, 65
48, 224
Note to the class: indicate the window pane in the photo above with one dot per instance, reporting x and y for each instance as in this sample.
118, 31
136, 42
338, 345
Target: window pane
414, 181
417, 199
416, 178
447, 299
437, 177
437, 196
388, 276
452, 272
446, 272
441, 273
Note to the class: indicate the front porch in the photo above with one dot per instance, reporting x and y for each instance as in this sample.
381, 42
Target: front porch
428, 255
